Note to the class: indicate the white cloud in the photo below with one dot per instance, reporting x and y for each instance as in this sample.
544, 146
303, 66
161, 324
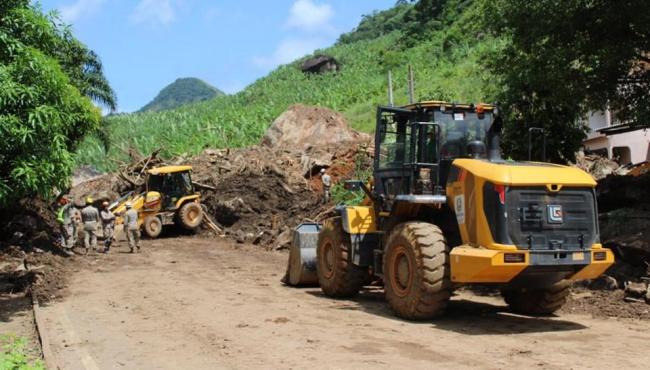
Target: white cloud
154, 12
72, 12
310, 29
289, 50
308, 16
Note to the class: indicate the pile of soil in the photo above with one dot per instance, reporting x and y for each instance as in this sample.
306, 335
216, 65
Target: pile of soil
597, 166
258, 209
41, 273
30, 226
605, 303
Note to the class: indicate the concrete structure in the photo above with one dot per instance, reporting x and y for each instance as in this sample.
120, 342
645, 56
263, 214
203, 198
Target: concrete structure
616, 140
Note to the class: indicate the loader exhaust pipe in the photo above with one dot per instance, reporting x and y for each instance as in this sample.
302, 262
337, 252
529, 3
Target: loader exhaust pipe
494, 138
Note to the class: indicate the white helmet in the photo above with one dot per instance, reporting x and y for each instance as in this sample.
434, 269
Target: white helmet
129, 205
322, 170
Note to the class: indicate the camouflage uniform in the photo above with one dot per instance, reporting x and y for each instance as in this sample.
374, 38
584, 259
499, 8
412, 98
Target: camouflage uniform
132, 229
108, 223
90, 218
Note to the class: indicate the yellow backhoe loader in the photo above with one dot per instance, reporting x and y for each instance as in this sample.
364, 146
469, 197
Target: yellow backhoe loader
444, 209
169, 198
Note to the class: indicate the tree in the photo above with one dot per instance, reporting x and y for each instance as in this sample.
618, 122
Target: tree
563, 58
43, 110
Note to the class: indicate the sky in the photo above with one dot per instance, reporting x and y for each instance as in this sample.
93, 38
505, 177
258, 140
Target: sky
147, 44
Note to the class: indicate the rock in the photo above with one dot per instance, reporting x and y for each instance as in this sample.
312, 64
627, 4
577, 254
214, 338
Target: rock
320, 64
604, 282
240, 236
283, 241
301, 126
636, 290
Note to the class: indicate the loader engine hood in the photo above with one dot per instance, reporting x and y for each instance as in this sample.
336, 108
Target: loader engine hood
527, 173
523, 205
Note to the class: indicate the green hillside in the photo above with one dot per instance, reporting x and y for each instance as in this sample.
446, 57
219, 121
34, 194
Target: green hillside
445, 60
180, 92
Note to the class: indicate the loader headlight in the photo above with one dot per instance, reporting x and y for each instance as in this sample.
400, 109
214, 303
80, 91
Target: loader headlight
514, 257
600, 256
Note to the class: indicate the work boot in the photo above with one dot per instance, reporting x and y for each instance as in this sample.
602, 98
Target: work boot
68, 252
86, 250
132, 250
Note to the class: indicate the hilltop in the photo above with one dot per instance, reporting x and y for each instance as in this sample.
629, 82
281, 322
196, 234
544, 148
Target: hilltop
180, 92
445, 59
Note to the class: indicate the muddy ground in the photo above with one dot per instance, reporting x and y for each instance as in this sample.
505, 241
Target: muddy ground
210, 303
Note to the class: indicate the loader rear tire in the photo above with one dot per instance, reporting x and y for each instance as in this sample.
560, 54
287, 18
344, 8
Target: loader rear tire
537, 302
416, 271
190, 215
337, 276
152, 226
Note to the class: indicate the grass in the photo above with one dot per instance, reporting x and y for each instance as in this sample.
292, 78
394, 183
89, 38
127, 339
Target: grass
443, 70
15, 356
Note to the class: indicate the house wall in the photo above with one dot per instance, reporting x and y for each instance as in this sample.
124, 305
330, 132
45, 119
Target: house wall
629, 147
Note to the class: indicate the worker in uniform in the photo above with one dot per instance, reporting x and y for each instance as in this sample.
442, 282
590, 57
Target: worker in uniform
65, 218
90, 219
131, 227
108, 225
327, 183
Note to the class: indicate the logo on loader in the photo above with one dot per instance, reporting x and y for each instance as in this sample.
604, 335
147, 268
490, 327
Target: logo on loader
555, 214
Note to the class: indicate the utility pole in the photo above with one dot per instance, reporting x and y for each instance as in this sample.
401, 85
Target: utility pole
390, 89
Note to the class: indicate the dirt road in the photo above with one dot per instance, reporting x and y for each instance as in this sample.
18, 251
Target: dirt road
204, 304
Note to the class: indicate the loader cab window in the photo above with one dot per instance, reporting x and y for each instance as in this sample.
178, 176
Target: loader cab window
155, 183
394, 141
457, 129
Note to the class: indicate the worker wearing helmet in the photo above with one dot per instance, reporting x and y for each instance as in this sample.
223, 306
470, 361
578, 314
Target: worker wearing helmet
131, 227
90, 219
327, 183
65, 218
108, 225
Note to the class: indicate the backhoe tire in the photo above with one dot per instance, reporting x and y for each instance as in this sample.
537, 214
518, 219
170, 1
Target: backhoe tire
152, 226
537, 302
190, 215
337, 276
416, 271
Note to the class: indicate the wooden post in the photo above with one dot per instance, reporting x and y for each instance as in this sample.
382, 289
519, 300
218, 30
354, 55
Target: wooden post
411, 86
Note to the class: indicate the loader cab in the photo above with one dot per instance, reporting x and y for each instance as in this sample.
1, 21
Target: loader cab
416, 145
172, 183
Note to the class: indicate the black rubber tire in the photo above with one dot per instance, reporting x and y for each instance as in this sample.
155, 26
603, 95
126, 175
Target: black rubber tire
337, 276
537, 302
416, 271
190, 215
152, 226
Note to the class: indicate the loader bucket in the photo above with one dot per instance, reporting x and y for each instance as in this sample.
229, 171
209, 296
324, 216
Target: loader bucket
301, 270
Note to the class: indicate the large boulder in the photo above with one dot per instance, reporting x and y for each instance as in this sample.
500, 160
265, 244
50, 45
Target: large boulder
301, 127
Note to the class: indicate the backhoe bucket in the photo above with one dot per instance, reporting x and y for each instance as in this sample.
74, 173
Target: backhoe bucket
301, 270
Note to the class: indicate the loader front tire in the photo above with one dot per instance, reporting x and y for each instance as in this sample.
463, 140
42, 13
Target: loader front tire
537, 302
337, 276
190, 215
416, 271
152, 226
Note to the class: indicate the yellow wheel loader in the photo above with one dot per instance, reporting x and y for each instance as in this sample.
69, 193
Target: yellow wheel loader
169, 198
444, 209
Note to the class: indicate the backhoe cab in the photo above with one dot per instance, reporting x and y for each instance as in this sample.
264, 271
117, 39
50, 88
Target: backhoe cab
169, 198
444, 209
